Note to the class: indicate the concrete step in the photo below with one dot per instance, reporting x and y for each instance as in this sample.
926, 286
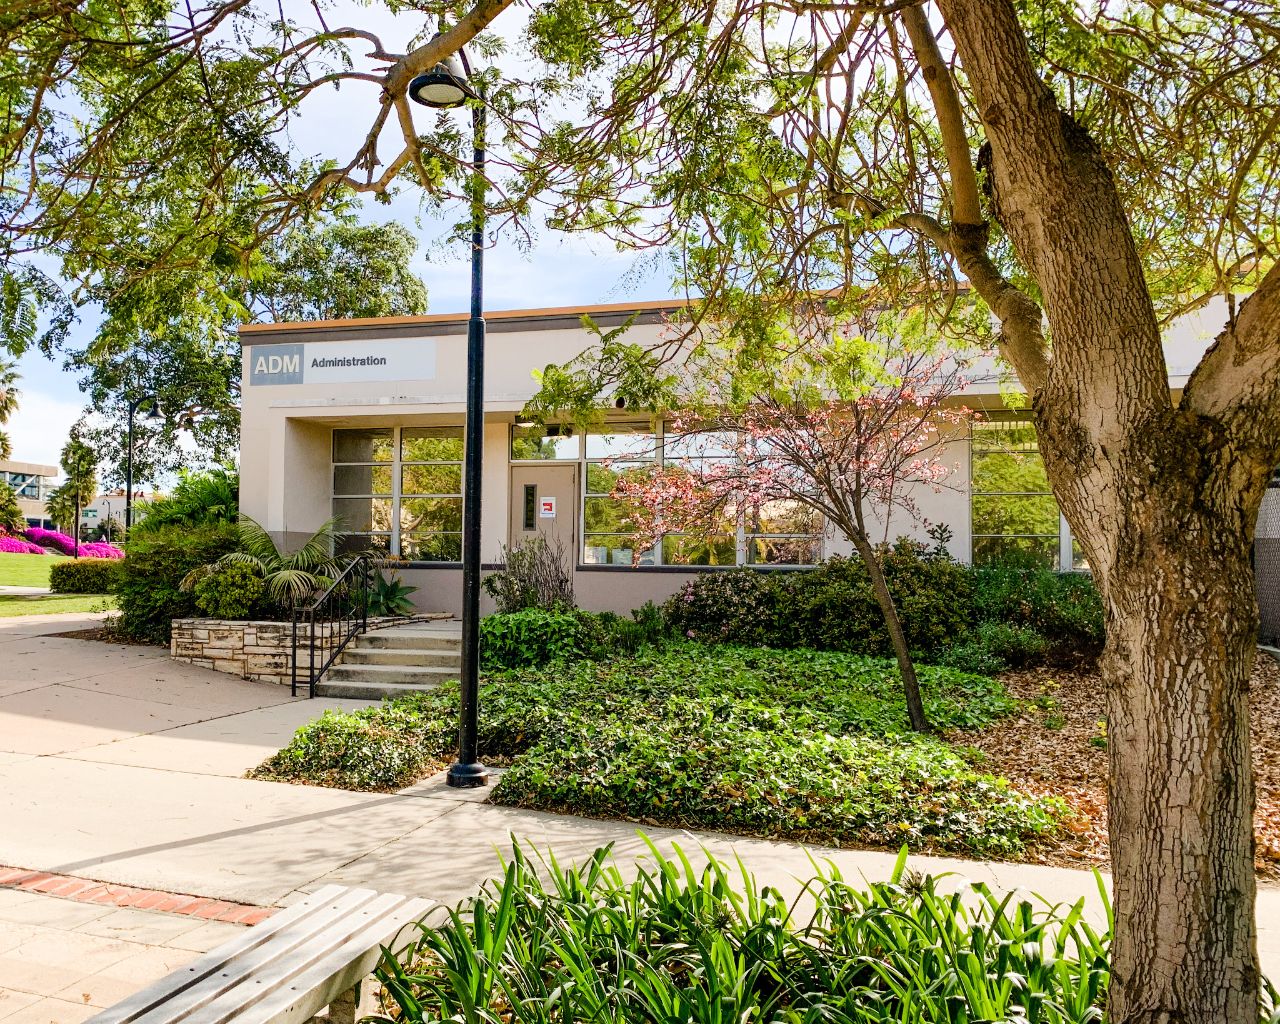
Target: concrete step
417, 656
416, 640
350, 690
391, 673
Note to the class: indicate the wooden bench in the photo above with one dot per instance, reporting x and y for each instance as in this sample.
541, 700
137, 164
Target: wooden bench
313, 954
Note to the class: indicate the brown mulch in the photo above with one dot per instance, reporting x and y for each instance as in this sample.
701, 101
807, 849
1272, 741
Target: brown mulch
1045, 748
103, 635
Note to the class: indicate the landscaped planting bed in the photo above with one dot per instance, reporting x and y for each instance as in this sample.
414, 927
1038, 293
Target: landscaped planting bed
680, 942
1056, 743
803, 745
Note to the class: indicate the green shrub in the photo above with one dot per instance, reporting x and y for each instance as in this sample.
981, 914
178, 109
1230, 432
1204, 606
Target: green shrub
674, 940
533, 637
996, 646
229, 591
738, 606
1064, 608
198, 498
149, 590
84, 576
830, 607
809, 745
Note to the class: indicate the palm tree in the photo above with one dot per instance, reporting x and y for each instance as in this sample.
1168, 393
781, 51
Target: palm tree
9, 395
288, 578
60, 507
11, 518
80, 464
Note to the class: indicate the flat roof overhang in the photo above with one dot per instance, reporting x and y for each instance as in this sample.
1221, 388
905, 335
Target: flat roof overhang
444, 324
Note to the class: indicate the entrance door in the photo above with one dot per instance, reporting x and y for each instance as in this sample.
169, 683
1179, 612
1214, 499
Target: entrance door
544, 504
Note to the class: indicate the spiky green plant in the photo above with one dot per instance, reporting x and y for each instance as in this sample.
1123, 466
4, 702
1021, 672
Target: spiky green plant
288, 578
211, 495
674, 942
12, 519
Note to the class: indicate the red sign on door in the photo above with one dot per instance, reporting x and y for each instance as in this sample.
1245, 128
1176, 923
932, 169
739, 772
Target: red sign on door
546, 508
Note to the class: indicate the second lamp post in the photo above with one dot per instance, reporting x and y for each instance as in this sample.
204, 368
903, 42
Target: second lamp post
444, 87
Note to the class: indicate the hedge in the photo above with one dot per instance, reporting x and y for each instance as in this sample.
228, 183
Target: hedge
148, 593
84, 576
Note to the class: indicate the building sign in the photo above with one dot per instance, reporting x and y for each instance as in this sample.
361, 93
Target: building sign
336, 362
546, 508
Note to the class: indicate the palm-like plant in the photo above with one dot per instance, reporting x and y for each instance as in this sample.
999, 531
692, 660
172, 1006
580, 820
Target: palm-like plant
11, 518
288, 579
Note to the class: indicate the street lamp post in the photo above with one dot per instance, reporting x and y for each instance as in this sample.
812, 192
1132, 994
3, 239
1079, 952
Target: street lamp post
444, 87
108, 504
134, 406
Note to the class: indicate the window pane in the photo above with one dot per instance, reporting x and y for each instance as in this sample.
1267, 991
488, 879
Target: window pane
604, 550
430, 514
362, 515
783, 517
1017, 435
782, 550
999, 513
431, 479
1042, 549
353, 543
601, 478
532, 443
684, 550
622, 443
431, 547
1008, 472
362, 480
609, 515
431, 444
366, 445
683, 447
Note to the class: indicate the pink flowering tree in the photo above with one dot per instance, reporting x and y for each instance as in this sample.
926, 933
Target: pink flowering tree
851, 435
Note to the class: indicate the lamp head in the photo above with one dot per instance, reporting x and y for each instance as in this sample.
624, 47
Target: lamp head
443, 87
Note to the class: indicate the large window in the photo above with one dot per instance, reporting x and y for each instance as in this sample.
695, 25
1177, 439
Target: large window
399, 489
1013, 507
781, 533
608, 528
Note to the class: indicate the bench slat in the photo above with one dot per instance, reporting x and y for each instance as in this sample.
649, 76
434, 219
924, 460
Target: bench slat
317, 984
374, 922
165, 998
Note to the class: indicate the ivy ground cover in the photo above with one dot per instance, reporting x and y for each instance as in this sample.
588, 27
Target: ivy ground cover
803, 745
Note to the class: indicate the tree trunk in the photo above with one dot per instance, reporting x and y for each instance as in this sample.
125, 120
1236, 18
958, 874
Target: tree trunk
897, 637
1180, 650
1169, 540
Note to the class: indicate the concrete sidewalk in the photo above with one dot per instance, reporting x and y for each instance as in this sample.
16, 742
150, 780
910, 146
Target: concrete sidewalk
62, 961
118, 765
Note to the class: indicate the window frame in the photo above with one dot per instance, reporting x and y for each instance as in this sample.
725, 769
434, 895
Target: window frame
396, 465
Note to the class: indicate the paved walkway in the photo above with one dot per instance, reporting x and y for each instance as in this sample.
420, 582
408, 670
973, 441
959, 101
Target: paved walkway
121, 766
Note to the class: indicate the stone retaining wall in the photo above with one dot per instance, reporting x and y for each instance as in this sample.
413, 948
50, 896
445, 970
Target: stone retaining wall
261, 651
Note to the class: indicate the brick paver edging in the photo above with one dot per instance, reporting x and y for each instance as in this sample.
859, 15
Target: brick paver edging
86, 890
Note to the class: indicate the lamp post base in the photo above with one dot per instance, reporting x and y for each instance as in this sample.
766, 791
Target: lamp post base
467, 776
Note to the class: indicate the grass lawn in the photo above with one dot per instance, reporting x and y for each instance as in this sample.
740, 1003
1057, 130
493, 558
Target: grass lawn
53, 604
26, 570
803, 745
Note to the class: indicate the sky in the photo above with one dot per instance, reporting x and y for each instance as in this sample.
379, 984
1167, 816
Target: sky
558, 270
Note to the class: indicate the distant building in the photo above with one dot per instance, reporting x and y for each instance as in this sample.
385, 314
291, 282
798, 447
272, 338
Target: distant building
32, 483
110, 506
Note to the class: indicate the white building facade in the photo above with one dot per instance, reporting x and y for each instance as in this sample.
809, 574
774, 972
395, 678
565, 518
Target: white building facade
362, 420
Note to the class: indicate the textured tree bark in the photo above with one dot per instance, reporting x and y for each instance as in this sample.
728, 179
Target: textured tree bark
1181, 629
1163, 499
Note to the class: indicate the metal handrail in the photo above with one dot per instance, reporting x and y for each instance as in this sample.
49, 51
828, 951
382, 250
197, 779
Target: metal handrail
344, 607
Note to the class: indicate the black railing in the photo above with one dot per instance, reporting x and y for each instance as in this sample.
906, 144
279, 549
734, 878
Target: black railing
339, 614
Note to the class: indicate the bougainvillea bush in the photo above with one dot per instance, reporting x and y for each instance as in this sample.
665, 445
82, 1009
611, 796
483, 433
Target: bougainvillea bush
51, 539
100, 549
18, 546
67, 545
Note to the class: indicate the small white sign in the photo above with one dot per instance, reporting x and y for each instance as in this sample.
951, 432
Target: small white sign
546, 508
342, 362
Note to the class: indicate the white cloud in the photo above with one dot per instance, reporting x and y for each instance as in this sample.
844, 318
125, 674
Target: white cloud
39, 428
